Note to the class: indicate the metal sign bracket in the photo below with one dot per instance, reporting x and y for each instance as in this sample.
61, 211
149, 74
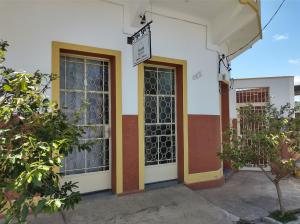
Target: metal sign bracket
139, 33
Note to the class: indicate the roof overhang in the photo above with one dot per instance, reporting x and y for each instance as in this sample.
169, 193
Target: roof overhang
230, 23
250, 33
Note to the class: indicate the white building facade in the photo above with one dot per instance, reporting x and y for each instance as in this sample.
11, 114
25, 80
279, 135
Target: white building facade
280, 90
158, 121
259, 92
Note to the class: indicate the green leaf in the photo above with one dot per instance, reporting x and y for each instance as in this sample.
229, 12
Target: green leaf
39, 176
44, 147
2, 54
57, 203
29, 180
23, 85
46, 168
25, 212
41, 204
7, 88
38, 139
18, 136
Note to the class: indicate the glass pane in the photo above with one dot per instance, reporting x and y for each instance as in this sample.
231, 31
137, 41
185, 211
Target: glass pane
150, 82
149, 130
173, 110
62, 77
160, 129
94, 62
106, 78
62, 100
62, 169
95, 108
174, 148
173, 82
151, 150
165, 107
150, 109
94, 132
165, 82
72, 102
107, 142
74, 59
173, 129
93, 115
157, 129
74, 75
94, 77
106, 109
165, 149
96, 157
75, 162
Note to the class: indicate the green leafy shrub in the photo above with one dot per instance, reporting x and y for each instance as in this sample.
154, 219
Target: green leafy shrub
264, 140
35, 136
283, 217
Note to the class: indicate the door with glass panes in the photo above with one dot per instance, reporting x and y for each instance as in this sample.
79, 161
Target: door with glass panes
160, 123
85, 88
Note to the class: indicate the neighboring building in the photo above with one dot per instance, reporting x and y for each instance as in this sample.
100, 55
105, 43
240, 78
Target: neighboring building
259, 92
158, 121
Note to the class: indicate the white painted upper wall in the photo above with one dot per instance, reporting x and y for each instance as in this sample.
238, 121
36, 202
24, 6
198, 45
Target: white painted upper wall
30, 27
281, 90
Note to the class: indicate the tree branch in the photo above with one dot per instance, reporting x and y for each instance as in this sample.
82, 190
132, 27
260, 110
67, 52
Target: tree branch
266, 173
63, 216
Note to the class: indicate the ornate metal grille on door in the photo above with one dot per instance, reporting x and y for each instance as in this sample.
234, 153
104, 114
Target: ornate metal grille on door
258, 98
85, 80
160, 115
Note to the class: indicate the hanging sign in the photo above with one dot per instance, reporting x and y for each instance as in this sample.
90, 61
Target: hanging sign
141, 44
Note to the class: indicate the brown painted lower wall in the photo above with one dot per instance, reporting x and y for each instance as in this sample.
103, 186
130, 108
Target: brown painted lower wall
207, 184
130, 154
204, 143
225, 119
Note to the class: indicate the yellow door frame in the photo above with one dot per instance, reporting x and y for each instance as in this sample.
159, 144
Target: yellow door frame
189, 178
141, 118
56, 49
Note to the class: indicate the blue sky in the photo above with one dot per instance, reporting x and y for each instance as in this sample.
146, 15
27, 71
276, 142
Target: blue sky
278, 53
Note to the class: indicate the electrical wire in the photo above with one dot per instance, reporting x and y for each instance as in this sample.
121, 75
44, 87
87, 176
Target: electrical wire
265, 26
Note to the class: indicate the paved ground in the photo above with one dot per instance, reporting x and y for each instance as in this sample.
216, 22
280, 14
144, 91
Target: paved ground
251, 195
172, 205
246, 194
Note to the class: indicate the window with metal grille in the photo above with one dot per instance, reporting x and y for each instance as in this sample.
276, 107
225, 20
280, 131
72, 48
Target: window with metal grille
160, 115
258, 98
84, 87
252, 95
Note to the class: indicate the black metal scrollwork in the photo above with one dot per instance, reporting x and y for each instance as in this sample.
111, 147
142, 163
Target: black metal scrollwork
139, 33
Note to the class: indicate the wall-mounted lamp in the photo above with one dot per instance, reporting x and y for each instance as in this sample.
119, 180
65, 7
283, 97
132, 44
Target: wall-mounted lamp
224, 60
143, 19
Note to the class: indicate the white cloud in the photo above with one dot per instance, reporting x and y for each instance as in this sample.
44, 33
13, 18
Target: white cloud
278, 37
294, 61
